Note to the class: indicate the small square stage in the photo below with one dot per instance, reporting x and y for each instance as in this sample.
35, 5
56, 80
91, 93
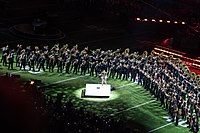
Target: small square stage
97, 90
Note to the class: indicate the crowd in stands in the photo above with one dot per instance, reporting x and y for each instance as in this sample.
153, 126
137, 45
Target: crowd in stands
166, 78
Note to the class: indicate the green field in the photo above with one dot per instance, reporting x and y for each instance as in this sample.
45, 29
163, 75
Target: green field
129, 101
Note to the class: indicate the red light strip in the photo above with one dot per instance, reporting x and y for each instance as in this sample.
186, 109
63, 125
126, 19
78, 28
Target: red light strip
168, 52
190, 59
165, 48
196, 65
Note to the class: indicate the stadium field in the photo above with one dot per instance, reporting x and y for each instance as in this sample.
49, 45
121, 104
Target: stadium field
129, 101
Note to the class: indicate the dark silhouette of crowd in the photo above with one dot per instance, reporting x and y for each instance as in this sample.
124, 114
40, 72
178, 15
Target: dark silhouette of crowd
27, 109
166, 78
181, 10
128, 8
23, 106
71, 120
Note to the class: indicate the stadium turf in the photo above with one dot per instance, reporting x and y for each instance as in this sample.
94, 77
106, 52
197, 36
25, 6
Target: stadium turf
129, 101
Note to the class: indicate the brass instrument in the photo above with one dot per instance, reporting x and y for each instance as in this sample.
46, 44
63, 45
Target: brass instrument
161, 54
66, 45
98, 50
127, 50
186, 69
145, 54
198, 77
193, 74
86, 48
36, 48
199, 83
171, 57
152, 52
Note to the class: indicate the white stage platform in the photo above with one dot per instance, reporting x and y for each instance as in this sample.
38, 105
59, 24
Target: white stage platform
98, 90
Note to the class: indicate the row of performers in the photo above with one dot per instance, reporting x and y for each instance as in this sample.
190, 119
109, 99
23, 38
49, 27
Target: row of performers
114, 70
177, 91
72, 60
114, 62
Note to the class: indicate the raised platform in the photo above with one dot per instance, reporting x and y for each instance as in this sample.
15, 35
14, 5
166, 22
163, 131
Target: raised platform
97, 90
27, 31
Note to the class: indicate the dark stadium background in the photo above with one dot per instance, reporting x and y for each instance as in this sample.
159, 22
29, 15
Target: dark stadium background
97, 25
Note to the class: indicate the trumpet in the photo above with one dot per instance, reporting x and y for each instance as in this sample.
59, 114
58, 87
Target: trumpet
145, 54
126, 51
152, 52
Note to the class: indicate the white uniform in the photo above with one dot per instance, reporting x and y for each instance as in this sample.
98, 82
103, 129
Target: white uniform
103, 77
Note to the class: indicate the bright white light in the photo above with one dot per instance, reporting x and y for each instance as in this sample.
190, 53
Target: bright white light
32, 82
183, 22
138, 19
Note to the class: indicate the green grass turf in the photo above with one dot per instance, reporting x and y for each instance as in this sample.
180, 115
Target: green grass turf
126, 95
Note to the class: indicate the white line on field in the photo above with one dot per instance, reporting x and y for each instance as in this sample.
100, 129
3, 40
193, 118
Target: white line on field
16, 72
61, 81
159, 127
125, 85
139, 105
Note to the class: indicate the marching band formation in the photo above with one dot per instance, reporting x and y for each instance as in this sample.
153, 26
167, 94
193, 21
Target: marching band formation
165, 78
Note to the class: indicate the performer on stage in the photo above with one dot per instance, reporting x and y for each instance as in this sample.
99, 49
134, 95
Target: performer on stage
103, 77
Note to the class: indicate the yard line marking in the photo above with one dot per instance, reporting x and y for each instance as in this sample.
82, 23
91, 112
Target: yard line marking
125, 85
139, 105
159, 127
16, 72
61, 81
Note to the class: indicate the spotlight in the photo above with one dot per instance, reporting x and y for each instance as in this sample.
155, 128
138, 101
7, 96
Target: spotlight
138, 19
183, 22
176, 22
32, 82
145, 19
168, 21
153, 20
160, 21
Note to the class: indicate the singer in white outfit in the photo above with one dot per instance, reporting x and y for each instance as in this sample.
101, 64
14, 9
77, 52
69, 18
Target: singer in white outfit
103, 77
